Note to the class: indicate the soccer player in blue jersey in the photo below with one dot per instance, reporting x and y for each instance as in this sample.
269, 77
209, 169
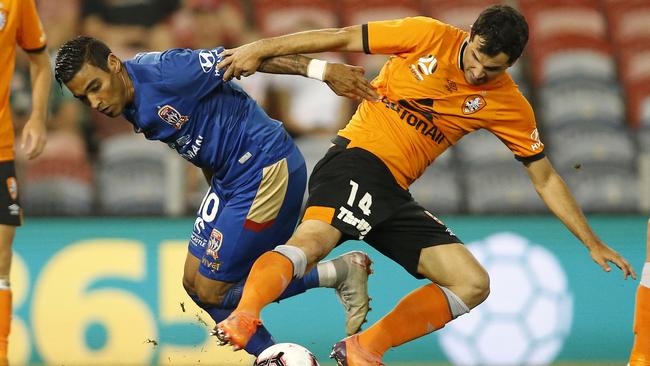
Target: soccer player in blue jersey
256, 174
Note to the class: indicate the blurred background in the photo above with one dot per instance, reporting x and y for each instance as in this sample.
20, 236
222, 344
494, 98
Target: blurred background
586, 71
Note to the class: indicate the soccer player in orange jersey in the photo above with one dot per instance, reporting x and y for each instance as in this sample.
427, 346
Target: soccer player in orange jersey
19, 25
441, 84
641, 350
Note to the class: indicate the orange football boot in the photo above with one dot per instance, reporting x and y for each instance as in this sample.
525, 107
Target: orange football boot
237, 329
349, 352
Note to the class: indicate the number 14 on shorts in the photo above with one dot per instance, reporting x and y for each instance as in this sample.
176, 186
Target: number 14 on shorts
347, 216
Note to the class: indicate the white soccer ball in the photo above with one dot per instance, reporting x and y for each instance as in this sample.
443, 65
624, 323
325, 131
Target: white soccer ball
528, 314
286, 354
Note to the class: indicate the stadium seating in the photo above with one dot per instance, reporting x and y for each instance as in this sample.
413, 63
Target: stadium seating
605, 188
493, 179
459, 13
439, 189
60, 181
628, 22
581, 101
502, 188
131, 176
591, 146
276, 17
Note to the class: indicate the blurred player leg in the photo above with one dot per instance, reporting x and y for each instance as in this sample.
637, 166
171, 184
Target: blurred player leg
424, 310
272, 273
6, 239
347, 274
10, 218
641, 350
261, 340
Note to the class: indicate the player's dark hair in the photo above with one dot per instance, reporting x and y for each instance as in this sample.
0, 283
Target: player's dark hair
503, 29
75, 53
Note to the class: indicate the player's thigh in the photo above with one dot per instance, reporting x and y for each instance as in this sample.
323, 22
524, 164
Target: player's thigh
455, 267
190, 271
403, 236
209, 291
316, 239
251, 223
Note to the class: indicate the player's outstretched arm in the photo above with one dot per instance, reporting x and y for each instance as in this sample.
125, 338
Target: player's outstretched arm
34, 133
245, 60
344, 80
552, 189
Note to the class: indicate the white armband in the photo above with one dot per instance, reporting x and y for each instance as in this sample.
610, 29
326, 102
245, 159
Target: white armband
316, 69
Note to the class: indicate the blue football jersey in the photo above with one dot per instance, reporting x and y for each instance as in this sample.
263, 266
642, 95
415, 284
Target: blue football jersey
182, 100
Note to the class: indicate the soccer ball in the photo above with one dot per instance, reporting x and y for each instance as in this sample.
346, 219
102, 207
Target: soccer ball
286, 354
528, 314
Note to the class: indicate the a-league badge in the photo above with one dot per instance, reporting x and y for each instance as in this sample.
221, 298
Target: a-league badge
214, 243
170, 115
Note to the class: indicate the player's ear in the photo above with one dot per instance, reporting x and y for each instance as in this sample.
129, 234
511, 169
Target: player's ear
114, 63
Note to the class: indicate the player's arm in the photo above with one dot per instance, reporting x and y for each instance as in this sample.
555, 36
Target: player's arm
344, 80
245, 60
556, 195
34, 133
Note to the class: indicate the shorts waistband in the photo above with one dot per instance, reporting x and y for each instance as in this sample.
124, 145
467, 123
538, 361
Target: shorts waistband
341, 141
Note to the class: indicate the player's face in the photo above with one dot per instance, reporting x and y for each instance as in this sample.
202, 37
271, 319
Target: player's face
479, 67
101, 90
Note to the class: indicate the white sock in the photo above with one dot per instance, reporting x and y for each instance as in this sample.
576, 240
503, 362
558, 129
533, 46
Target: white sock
4, 284
456, 305
645, 275
326, 274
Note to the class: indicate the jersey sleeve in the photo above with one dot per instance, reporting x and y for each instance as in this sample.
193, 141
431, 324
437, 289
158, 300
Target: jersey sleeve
517, 129
192, 73
404, 35
30, 35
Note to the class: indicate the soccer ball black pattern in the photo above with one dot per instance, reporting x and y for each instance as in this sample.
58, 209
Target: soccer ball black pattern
286, 354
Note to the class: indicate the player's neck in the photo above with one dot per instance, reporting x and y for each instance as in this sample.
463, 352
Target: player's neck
128, 86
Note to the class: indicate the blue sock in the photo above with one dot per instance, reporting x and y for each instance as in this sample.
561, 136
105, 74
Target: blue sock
296, 286
260, 341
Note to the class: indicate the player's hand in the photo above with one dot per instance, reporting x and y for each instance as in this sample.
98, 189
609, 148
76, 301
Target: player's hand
602, 255
33, 138
349, 81
240, 61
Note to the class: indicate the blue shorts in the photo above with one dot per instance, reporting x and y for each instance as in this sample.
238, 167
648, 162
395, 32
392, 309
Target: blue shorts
232, 230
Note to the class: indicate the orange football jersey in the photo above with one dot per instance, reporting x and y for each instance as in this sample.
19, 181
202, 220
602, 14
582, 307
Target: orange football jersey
427, 105
19, 24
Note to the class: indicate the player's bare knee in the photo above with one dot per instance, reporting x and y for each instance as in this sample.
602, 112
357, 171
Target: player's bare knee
188, 285
209, 295
316, 239
477, 288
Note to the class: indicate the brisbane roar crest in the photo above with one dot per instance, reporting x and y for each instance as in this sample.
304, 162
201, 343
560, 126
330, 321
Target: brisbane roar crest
170, 115
473, 104
12, 188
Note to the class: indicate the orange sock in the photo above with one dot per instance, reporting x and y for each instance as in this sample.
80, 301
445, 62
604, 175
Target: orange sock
421, 312
5, 320
641, 350
269, 277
